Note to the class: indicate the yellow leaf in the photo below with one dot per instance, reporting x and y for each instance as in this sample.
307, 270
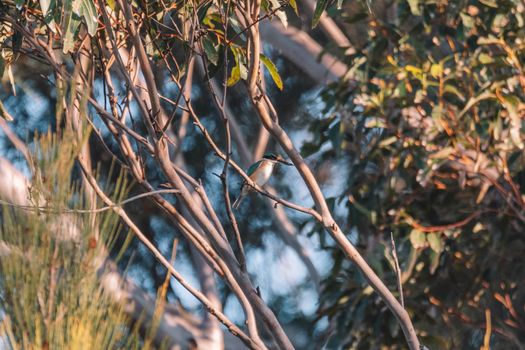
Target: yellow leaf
272, 69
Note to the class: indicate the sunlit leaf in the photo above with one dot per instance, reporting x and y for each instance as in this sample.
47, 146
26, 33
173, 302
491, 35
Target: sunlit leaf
468, 21
70, 25
235, 76
388, 141
413, 69
414, 7
47, 6
272, 69
418, 239
442, 154
436, 70
375, 123
275, 7
489, 3
88, 11
435, 242
293, 5
239, 71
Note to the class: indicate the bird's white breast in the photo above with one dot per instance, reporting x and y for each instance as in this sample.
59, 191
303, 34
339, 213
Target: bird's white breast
263, 173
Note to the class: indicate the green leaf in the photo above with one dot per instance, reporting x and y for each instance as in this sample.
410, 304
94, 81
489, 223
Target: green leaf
211, 52
435, 242
468, 22
88, 10
47, 7
437, 114
413, 69
451, 89
235, 76
272, 69
279, 13
489, 3
436, 70
336, 136
293, 5
240, 60
388, 141
442, 154
239, 70
414, 7
203, 10
319, 8
484, 58
418, 239
70, 25
375, 122
488, 40
434, 261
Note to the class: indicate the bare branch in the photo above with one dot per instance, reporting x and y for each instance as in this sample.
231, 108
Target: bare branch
158, 255
272, 125
397, 269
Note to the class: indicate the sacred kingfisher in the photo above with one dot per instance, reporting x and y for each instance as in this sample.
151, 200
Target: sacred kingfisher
260, 173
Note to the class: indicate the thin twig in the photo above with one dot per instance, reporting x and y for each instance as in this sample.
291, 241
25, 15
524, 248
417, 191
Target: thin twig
397, 269
158, 255
51, 210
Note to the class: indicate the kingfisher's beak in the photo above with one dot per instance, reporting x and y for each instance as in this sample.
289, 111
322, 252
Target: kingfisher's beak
284, 161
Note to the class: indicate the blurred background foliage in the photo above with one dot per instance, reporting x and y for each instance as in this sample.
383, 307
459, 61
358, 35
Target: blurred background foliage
51, 261
430, 124
422, 139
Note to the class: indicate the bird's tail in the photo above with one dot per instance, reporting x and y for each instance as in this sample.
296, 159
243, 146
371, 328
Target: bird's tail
237, 202
244, 192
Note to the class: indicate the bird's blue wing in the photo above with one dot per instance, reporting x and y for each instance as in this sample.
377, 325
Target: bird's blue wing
253, 167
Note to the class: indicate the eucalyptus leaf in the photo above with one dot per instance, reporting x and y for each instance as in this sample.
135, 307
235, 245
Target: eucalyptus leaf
293, 5
414, 7
47, 7
418, 239
272, 69
70, 25
88, 11
319, 9
276, 7
235, 76
435, 242
212, 53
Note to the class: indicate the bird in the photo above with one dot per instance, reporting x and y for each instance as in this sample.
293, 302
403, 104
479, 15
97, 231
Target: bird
259, 172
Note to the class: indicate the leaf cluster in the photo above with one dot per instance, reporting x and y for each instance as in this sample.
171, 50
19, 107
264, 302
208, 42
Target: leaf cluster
432, 126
